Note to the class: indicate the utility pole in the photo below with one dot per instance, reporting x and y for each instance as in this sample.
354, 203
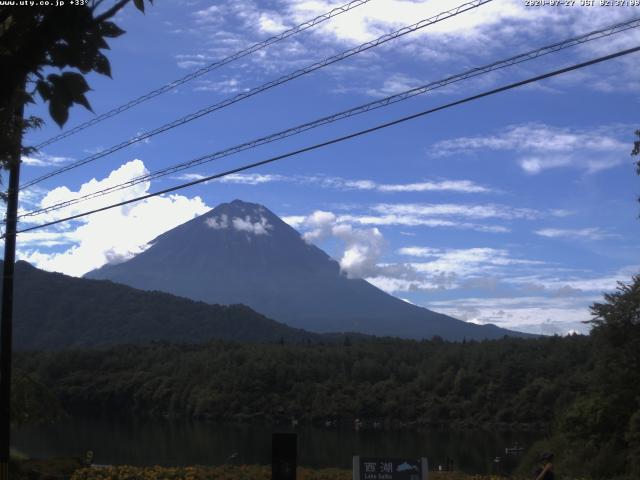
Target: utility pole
6, 320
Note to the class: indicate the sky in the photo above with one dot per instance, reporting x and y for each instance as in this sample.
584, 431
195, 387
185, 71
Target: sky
518, 209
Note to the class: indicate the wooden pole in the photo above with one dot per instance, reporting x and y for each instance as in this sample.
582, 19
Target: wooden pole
6, 319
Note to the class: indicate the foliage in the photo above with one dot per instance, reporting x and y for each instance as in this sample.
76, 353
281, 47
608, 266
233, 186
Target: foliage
621, 309
43, 469
636, 151
44, 38
229, 472
31, 401
48, 50
509, 382
72, 468
599, 432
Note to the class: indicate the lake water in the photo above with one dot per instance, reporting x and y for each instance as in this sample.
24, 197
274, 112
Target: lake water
179, 443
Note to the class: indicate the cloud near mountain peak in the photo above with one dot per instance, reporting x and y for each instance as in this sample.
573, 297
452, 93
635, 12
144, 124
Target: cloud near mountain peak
246, 224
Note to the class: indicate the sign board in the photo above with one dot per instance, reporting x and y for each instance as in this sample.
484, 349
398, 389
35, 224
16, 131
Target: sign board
370, 468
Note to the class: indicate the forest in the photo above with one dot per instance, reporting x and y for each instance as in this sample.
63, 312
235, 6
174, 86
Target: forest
510, 382
583, 391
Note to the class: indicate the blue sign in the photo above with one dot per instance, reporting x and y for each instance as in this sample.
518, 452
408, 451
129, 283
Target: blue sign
369, 468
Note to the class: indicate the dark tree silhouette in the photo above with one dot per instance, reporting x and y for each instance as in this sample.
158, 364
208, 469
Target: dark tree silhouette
34, 39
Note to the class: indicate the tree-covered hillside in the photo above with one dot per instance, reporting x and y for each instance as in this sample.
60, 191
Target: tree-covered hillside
55, 311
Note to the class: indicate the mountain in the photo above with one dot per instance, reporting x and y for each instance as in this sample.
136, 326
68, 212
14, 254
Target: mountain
55, 311
243, 253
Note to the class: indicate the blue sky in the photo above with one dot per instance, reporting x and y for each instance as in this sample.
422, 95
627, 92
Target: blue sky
518, 209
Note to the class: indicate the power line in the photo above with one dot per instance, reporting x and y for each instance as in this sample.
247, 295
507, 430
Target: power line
202, 71
343, 138
266, 86
517, 59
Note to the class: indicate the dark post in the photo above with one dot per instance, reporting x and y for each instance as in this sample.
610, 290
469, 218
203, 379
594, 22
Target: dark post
7, 317
284, 453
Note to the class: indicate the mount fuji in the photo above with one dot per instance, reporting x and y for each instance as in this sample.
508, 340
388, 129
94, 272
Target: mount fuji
242, 253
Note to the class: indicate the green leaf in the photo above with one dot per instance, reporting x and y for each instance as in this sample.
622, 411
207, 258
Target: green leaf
61, 55
44, 89
75, 83
58, 111
100, 42
139, 5
76, 86
66, 89
82, 100
110, 29
101, 65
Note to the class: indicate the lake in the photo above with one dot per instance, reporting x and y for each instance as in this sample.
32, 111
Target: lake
180, 443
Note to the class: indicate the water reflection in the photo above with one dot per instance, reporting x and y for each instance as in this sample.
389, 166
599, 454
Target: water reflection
179, 443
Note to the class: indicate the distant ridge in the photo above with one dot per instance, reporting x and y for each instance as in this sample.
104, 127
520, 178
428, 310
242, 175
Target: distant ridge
241, 252
55, 311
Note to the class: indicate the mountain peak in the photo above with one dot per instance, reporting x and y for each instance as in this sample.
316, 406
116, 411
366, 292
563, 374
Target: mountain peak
241, 206
243, 217
241, 252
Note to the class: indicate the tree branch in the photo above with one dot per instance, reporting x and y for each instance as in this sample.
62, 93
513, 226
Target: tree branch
96, 4
112, 11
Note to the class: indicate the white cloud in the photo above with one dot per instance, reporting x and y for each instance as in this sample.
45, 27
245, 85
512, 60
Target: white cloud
585, 233
496, 26
362, 247
540, 315
418, 221
31, 196
339, 183
396, 83
226, 86
271, 23
574, 285
190, 61
462, 186
295, 221
379, 17
112, 235
426, 215
467, 262
260, 227
46, 239
189, 177
424, 252
474, 211
42, 159
218, 223
456, 186
446, 215
544, 147
252, 178
394, 285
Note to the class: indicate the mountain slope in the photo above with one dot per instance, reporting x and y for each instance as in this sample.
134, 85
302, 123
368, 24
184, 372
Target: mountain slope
243, 253
55, 311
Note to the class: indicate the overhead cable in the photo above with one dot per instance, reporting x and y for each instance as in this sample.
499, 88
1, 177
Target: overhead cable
206, 69
266, 86
514, 60
339, 139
